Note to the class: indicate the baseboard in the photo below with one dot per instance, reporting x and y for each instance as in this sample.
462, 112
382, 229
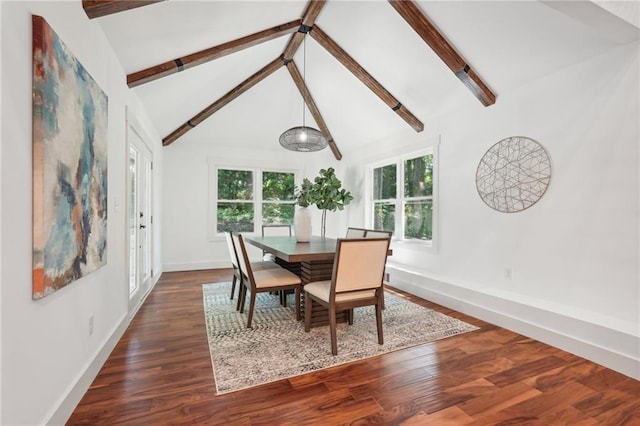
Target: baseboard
614, 349
195, 266
69, 403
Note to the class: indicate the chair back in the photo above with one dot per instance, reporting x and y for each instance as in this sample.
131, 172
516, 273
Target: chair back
232, 250
243, 258
356, 232
276, 230
359, 264
373, 233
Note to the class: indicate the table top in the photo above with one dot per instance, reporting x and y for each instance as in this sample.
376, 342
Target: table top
288, 249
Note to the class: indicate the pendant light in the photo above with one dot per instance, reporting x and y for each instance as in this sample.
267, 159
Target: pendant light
303, 138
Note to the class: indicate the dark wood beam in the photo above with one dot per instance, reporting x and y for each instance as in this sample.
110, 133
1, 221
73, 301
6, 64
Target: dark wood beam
362, 74
314, 7
308, 99
180, 64
98, 8
264, 72
445, 50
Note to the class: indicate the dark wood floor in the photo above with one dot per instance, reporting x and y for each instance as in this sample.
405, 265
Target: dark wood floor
160, 373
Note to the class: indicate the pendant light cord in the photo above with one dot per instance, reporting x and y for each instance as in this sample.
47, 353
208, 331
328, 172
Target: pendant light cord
304, 73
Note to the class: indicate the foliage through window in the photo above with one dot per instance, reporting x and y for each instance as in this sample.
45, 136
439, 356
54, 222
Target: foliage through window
402, 198
278, 198
249, 198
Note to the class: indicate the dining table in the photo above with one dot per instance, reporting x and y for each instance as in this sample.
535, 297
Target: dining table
311, 261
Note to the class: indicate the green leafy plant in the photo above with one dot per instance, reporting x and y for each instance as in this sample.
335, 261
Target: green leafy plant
325, 192
304, 194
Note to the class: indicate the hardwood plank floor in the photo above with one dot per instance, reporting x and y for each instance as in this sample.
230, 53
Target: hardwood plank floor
160, 373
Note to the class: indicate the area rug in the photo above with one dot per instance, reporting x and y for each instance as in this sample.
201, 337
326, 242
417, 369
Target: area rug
277, 347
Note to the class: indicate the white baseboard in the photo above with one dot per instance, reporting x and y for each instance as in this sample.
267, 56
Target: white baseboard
195, 266
614, 349
69, 403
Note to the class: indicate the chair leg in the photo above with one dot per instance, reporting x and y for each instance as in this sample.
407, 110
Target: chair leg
283, 298
332, 329
307, 313
252, 305
243, 296
298, 315
233, 286
350, 316
379, 322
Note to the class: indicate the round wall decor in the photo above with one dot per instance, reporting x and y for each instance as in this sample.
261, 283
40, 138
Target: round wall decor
513, 174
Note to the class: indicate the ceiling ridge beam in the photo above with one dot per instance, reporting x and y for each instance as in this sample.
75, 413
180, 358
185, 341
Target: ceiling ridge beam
314, 7
421, 24
251, 81
98, 8
189, 61
315, 112
356, 69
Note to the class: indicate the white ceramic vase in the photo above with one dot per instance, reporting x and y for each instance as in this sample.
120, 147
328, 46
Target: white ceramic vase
302, 225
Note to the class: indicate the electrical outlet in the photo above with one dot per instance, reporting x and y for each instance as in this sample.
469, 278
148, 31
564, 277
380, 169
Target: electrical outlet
90, 324
508, 273
386, 277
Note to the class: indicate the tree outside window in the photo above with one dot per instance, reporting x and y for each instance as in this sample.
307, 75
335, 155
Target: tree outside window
278, 197
235, 201
402, 200
244, 203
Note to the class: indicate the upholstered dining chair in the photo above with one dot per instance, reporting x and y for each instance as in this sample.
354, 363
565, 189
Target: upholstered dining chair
355, 232
235, 264
356, 281
265, 280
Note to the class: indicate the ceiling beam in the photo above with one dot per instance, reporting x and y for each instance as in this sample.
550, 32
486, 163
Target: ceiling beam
98, 8
264, 72
314, 7
308, 99
332, 47
180, 64
445, 50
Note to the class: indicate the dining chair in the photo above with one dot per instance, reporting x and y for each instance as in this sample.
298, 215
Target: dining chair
355, 232
264, 280
237, 274
274, 230
356, 281
375, 233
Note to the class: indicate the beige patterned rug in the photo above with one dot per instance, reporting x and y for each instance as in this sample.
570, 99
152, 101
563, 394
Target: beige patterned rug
277, 346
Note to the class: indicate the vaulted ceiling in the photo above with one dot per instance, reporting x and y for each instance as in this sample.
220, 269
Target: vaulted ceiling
373, 68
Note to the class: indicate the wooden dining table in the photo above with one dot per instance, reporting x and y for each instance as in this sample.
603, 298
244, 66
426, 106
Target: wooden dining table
311, 261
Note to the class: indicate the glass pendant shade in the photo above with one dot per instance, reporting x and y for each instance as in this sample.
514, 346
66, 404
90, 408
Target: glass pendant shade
303, 139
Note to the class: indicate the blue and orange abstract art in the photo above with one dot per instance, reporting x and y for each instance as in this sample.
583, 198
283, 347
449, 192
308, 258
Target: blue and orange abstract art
69, 166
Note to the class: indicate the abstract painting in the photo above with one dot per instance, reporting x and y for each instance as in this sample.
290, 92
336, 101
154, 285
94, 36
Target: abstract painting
69, 166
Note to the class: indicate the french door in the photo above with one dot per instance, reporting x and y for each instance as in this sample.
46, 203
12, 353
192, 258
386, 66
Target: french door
139, 217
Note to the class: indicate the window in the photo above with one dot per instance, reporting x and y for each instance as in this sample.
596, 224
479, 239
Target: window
278, 198
402, 197
246, 199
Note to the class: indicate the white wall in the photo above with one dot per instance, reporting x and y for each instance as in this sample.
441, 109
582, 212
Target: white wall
574, 255
186, 183
48, 357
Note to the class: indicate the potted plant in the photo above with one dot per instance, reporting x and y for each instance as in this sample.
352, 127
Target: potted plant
327, 194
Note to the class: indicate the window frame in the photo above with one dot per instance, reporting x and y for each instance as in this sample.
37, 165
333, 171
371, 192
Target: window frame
257, 201
401, 200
